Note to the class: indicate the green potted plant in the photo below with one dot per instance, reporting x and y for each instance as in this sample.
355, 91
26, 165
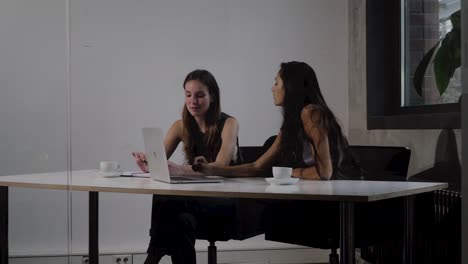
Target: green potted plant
447, 58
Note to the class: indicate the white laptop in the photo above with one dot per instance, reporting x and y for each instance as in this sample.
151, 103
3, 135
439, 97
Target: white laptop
157, 161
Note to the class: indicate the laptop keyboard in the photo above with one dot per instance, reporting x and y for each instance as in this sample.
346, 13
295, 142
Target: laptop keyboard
178, 178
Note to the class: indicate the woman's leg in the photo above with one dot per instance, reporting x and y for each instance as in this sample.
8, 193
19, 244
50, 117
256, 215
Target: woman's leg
150, 259
162, 213
172, 231
183, 248
155, 252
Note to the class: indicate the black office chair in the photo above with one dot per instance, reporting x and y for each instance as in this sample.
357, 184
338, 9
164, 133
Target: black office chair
382, 163
385, 163
236, 219
377, 163
251, 154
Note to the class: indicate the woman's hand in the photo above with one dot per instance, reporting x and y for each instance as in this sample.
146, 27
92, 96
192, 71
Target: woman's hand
201, 165
174, 169
140, 159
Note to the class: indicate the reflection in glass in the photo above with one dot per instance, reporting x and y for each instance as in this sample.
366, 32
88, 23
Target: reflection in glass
430, 36
34, 123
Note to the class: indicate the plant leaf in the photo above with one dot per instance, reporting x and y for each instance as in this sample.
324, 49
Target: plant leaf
455, 19
448, 58
421, 69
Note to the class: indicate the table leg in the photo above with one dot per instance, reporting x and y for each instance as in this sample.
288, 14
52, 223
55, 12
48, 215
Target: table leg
408, 230
93, 228
347, 233
4, 225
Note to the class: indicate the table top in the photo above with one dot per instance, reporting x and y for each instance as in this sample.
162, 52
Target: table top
335, 190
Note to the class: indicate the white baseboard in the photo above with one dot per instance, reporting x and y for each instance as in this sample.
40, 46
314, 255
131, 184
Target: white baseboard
253, 250
283, 256
257, 243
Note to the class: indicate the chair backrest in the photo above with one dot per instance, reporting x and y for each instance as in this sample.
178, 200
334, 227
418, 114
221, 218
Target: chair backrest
389, 163
383, 162
268, 143
252, 153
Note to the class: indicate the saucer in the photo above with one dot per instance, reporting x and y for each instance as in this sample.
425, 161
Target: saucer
287, 181
110, 174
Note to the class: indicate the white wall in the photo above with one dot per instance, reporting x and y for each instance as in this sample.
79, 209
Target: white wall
128, 61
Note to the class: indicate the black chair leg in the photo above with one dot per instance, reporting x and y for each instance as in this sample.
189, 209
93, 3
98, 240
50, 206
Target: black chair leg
212, 253
334, 257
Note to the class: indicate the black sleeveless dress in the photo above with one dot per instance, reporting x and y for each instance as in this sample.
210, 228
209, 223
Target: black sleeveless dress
201, 148
174, 219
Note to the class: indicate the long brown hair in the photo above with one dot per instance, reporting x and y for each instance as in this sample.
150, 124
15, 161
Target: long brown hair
211, 138
302, 88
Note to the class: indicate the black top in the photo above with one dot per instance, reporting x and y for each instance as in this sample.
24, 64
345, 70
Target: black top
166, 208
202, 149
302, 159
347, 170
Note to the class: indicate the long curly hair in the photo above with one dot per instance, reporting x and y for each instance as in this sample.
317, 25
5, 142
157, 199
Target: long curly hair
211, 138
302, 88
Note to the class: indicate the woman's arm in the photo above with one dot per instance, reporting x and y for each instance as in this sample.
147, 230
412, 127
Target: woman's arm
173, 138
228, 143
226, 152
255, 169
316, 133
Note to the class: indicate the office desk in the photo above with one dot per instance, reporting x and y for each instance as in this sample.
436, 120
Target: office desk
347, 193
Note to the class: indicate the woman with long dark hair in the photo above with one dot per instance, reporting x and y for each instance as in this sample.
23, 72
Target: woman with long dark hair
311, 142
310, 139
204, 131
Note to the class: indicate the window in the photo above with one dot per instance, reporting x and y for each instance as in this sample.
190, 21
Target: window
399, 34
428, 26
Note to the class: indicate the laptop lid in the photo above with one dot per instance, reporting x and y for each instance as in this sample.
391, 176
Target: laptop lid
156, 154
157, 161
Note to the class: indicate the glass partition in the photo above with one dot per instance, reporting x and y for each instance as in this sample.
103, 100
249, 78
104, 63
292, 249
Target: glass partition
34, 126
79, 79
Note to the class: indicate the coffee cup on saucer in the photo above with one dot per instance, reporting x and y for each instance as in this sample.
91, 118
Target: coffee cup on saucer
109, 169
282, 176
282, 172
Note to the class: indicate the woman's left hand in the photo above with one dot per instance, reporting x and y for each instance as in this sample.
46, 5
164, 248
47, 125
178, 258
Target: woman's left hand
200, 164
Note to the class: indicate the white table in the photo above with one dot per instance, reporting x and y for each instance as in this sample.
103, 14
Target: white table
347, 193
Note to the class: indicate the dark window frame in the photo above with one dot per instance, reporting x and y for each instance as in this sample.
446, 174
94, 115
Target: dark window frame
384, 77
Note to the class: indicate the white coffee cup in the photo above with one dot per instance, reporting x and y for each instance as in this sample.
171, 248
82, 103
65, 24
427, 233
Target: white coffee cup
108, 166
282, 172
